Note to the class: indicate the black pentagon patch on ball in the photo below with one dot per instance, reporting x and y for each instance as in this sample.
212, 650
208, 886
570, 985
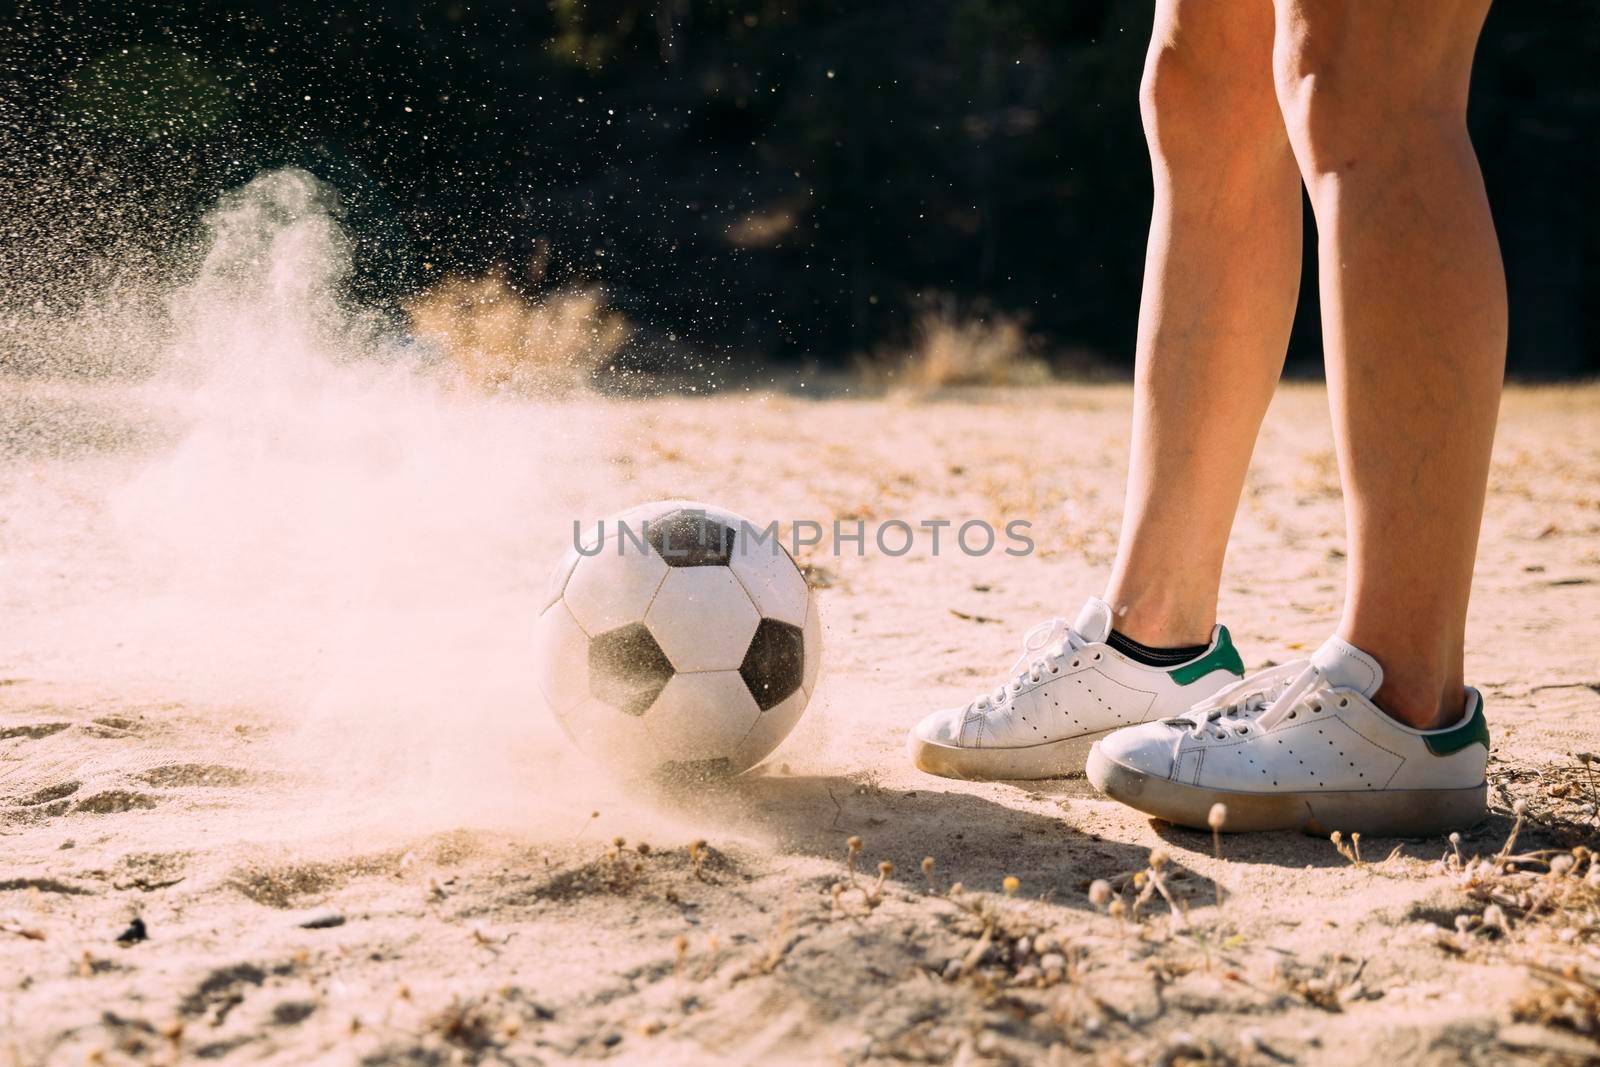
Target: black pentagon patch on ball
774, 663
690, 538
627, 669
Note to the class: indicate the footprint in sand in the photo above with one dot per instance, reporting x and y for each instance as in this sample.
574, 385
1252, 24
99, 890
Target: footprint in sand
49, 794
45, 803
211, 775
33, 731
112, 726
43, 885
113, 801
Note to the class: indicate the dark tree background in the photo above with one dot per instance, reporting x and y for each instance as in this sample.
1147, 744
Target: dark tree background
764, 177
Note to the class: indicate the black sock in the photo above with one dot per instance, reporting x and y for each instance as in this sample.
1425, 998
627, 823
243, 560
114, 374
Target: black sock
1153, 657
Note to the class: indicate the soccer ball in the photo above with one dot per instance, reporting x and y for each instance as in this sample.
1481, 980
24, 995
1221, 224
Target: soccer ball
684, 638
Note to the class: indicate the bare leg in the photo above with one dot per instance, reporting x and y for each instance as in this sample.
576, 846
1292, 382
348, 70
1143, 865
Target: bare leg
1221, 275
1374, 93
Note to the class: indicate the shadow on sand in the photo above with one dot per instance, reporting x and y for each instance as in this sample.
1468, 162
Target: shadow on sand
973, 840
979, 841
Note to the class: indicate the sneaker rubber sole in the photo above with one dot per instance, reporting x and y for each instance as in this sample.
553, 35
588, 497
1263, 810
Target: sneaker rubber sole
1386, 813
1053, 759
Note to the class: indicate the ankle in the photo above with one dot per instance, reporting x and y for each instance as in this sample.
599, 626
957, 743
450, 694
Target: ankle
1161, 624
1421, 707
1422, 677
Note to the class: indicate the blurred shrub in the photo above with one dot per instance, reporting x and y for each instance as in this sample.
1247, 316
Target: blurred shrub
949, 348
495, 338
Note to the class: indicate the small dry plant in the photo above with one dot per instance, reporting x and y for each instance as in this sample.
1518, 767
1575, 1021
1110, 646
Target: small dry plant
871, 895
495, 338
954, 349
1541, 906
1107, 895
1547, 904
466, 1024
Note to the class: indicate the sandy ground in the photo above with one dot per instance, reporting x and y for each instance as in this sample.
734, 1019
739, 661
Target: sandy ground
350, 835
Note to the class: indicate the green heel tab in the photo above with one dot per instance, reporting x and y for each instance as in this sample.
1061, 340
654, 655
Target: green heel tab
1474, 731
1222, 657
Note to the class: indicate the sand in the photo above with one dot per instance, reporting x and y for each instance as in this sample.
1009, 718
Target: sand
276, 706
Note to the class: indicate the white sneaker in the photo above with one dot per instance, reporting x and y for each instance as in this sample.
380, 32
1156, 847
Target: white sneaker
1068, 689
1302, 747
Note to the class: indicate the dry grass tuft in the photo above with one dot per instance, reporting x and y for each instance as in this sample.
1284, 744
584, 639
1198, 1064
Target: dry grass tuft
1567, 998
466, 1025
1540, 906
1327, 984
1561, 801
497, 339
1350, 850
1108, 895
952, 349
1559, 888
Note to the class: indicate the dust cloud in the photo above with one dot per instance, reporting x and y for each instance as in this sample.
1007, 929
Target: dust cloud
287, 510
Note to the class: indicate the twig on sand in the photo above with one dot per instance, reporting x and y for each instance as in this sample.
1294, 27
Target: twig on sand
838, 810
979, 947
974, 618
1158, 860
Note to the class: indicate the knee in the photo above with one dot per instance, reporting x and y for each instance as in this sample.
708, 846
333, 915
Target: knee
1323, 118
1341, 108
1195, 111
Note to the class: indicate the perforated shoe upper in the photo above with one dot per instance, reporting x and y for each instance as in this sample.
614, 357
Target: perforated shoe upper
1306, 726
1069, 683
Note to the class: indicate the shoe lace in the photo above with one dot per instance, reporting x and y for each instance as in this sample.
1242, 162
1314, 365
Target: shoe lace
1043, 648
1263, 699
